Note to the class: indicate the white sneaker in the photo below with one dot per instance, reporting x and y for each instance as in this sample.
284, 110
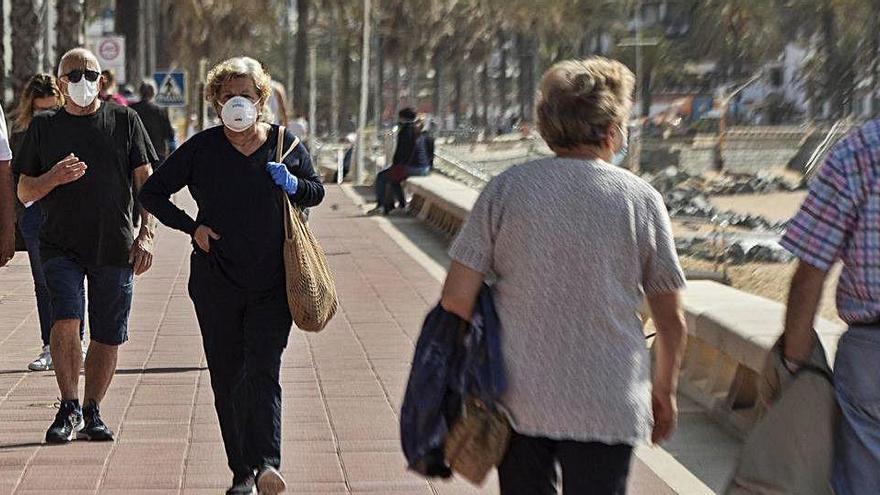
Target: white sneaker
270, 482
43, 361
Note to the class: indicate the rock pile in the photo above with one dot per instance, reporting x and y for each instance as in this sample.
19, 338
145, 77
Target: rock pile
688, 196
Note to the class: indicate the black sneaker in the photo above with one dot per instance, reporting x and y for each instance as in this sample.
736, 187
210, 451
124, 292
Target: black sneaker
67, 422
270, 481
246, 487
95, 430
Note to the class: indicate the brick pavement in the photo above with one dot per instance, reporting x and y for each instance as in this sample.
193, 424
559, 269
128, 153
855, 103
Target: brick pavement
342, 388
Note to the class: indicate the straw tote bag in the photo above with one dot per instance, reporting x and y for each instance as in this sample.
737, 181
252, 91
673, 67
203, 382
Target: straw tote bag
311, 290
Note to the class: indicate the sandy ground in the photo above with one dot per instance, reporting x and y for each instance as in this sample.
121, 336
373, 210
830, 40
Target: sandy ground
776, 206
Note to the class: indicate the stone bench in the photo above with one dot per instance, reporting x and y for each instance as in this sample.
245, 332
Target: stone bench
441, 202
730, 332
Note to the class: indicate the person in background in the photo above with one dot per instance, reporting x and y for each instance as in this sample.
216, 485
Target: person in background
155, 120
576, 245
840, 221
40, 96
410, 155
109, 90
7, 204
237, 282
84, 163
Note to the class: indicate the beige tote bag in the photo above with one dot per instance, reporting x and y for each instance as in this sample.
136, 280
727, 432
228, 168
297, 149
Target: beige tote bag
311, 290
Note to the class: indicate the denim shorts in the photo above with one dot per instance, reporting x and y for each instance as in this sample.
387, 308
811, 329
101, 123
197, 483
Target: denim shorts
857, 440
109, 296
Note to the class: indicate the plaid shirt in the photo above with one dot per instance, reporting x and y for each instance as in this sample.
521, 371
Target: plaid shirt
840, 220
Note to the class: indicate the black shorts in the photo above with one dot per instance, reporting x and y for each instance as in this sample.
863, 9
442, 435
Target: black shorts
110, 292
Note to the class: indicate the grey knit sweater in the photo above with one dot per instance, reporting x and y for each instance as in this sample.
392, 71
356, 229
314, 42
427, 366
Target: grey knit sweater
575, 246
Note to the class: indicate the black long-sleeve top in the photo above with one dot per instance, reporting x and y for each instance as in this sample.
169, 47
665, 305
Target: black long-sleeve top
237, 199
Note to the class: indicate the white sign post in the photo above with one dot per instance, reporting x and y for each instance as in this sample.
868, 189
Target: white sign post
110, 51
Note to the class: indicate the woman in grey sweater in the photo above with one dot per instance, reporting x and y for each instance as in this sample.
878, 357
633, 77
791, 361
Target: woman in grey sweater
576, 244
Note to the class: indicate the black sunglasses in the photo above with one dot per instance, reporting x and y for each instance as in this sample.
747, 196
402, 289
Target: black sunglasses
76, 75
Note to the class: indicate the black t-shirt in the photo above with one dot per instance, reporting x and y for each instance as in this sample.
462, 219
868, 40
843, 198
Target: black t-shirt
156, 122
89, 219
237, 199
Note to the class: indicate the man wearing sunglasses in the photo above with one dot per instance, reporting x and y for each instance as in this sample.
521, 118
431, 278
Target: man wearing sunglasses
83, 164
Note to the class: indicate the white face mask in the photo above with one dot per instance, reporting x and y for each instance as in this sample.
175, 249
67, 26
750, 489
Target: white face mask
83, 93
238, 114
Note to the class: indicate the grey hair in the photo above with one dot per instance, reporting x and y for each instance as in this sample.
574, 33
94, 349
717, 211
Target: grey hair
580, 99
235, 68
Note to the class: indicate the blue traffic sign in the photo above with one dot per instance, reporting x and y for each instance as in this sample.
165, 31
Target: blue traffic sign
171, 88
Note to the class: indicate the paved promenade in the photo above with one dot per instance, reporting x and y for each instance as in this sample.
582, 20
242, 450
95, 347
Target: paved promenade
342, 388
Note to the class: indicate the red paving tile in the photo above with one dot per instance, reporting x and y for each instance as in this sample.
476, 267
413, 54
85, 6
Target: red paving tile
341, 388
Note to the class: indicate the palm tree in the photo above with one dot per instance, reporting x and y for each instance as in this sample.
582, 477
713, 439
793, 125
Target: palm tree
70, 25
300, 85
26, 37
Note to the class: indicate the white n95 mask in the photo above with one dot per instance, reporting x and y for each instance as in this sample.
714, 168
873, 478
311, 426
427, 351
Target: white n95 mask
83, 93
238, 114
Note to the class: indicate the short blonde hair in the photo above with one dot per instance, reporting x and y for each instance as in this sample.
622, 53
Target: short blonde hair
579, 99
235, 68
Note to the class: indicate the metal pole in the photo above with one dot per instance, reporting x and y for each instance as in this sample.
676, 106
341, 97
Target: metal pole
360, 173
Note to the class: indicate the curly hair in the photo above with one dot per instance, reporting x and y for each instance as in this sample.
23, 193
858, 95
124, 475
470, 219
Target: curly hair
235, 68
579, 99
38, 86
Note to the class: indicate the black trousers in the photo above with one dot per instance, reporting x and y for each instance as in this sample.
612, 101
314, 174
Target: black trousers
244, 334
529, 467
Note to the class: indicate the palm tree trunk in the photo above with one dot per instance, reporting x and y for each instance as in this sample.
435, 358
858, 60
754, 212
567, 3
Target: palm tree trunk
526, 45
437, 97
300, 61
458, 95
335, 97
345, 88
70, 25
27, 33
395, 83
380, 81
502, 72
486, 95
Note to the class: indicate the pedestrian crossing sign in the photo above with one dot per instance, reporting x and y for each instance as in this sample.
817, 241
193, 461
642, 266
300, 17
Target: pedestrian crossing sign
171, 89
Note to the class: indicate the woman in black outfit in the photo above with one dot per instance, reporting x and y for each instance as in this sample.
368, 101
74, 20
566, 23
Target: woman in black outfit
237, 271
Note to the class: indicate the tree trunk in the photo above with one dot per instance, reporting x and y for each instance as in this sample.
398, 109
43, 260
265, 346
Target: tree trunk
502, 73
833, 67
69, 25
345, 88
647, 81
526, 47
395, 84
875, 61
335, 97
437, 92
2, 56
486, 95
474, 83
300, 61
458, 95
380, 81
128, 14
27, 33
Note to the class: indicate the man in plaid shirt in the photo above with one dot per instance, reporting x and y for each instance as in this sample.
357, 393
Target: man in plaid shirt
840, 220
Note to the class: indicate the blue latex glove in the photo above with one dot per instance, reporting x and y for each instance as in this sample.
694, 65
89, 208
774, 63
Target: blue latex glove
281, 176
